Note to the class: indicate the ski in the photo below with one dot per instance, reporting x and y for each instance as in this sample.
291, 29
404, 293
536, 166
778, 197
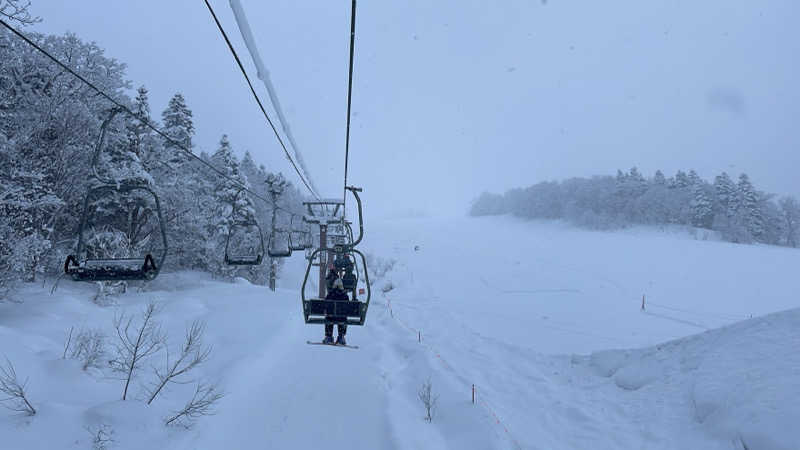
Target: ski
331, 345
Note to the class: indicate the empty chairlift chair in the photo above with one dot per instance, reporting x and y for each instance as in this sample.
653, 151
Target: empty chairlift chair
279, 244
255, 255
244, 245
82, 266
299, 236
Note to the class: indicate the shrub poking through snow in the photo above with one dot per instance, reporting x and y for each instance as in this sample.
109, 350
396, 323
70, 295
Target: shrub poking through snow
88, 347
135, 342
12, 390
428, 399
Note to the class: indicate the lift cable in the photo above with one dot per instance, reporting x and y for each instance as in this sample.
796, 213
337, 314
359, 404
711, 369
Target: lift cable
349, 101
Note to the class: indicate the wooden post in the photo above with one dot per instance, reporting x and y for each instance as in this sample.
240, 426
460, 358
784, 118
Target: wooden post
642, 302
272, 274
473, 394
419, 336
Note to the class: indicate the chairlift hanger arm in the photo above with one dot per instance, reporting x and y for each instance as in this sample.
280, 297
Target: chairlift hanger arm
101, 140
355, 192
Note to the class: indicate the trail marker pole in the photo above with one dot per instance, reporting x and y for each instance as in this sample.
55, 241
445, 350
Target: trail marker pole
642, 302
473, 394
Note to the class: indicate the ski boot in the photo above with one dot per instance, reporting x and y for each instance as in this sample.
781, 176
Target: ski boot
328, 340
340, 340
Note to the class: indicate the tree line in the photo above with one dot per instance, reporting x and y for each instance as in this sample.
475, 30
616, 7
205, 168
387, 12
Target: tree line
733, 207
49, 126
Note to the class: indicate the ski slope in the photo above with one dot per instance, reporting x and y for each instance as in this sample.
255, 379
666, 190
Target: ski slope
545, 320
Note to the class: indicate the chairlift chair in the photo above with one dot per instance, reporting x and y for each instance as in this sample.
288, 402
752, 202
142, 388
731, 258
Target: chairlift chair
245, 259
282, 252
299, 238
80, 266
341, 312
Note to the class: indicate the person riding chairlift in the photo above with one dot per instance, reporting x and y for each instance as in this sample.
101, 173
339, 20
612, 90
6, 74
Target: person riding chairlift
337, 293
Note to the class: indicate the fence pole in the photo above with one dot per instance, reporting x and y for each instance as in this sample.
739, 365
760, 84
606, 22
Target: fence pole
642, 302
473, 394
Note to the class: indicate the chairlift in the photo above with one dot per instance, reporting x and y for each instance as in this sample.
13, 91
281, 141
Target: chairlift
253, 257
245, 259
82, 266
284, 251
343, 312
299, 237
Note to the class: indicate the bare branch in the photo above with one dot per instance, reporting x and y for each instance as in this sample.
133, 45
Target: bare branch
135, 345
89, 347
66, 346
14, 390
192, 354
201, 404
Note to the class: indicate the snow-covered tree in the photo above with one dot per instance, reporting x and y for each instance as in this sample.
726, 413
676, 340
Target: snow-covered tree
48, 127
725, 194
179, 126
659, 179
693, 179
790, 212
748, 207
702, 207
680, 181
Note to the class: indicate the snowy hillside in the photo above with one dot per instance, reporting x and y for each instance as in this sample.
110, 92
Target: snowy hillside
545, 321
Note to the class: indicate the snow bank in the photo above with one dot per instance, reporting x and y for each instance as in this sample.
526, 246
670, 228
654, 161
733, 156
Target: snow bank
742, 381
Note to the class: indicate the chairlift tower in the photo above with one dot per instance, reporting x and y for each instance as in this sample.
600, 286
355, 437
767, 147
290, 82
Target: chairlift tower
276, 185
324, 213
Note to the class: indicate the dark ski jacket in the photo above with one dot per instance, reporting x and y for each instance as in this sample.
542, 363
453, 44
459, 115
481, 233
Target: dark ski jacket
335, 294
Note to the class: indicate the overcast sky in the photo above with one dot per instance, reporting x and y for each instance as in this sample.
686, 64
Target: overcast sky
454, 97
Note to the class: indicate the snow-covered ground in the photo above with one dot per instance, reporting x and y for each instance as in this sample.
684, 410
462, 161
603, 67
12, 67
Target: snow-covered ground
545, 320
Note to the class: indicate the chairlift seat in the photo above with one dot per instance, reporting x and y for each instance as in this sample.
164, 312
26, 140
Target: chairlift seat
296, 242
279, 253
243, 260
111, 269
343, 312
